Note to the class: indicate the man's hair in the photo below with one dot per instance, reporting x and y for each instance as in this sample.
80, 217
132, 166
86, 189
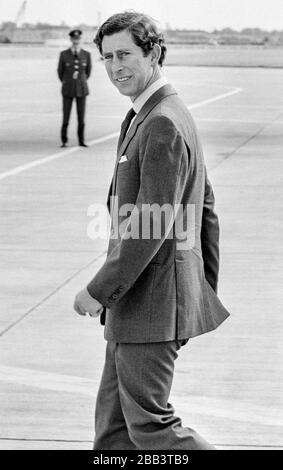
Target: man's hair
142, 27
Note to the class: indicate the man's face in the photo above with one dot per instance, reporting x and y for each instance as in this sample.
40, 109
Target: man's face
76, 42
127, 67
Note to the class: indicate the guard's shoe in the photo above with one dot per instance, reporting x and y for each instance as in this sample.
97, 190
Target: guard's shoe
63, 145
82, 144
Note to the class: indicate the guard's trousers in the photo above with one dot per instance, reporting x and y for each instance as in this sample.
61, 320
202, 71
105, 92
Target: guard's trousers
67, 107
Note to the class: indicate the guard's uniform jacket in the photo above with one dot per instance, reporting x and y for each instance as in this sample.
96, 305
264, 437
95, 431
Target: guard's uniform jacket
68, 64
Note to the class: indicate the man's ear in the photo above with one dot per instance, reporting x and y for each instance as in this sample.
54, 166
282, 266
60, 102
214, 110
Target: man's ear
155, 54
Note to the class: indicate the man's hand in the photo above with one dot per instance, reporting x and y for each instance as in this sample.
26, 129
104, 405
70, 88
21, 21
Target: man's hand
84, 304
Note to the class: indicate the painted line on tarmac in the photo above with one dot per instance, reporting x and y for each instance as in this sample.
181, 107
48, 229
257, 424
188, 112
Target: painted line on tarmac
55, 156
27, 441
235, 91
47, 380
240, 121
50, 295
252, 106
7, 115
216, 407
36, 439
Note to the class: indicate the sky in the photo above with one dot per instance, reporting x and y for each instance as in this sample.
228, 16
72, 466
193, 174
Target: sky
191, 14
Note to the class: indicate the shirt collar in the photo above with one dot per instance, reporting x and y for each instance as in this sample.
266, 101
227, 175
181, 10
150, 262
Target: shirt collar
73, 50
147, 93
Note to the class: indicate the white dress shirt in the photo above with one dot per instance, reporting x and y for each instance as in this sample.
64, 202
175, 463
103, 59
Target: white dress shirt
147, 93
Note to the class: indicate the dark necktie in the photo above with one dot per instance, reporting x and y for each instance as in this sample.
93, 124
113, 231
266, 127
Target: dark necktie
125, 126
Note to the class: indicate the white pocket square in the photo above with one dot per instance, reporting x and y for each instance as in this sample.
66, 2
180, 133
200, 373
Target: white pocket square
124, 158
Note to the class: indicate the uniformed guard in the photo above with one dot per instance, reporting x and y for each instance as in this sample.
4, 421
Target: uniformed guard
74, 69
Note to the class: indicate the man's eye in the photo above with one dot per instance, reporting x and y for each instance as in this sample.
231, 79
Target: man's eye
107, 57
124, 53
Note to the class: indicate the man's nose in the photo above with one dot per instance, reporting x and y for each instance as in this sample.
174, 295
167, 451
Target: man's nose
116, 66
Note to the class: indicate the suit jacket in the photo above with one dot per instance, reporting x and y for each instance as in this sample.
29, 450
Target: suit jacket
154, 288
66, 67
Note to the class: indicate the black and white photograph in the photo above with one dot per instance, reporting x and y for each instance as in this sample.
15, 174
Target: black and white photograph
141, 214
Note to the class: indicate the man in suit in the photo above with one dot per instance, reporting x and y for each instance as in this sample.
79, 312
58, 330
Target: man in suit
74, 69
158, 289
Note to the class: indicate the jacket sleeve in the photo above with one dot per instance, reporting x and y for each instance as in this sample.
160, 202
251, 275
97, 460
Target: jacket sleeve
210, 236
162, 153
89, 65
61, 67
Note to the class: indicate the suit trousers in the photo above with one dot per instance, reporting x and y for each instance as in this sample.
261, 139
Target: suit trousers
132, 409
67, 107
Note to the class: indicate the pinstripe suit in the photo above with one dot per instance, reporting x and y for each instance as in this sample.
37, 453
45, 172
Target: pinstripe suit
157, 295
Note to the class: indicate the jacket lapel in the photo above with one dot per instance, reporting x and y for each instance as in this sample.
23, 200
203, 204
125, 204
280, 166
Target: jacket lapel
159, 95
153, 101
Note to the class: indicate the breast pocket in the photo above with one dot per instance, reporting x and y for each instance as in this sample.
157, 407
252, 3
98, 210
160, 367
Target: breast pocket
124, 166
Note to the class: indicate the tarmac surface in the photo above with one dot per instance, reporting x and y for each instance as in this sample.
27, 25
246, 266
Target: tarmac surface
228, 384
